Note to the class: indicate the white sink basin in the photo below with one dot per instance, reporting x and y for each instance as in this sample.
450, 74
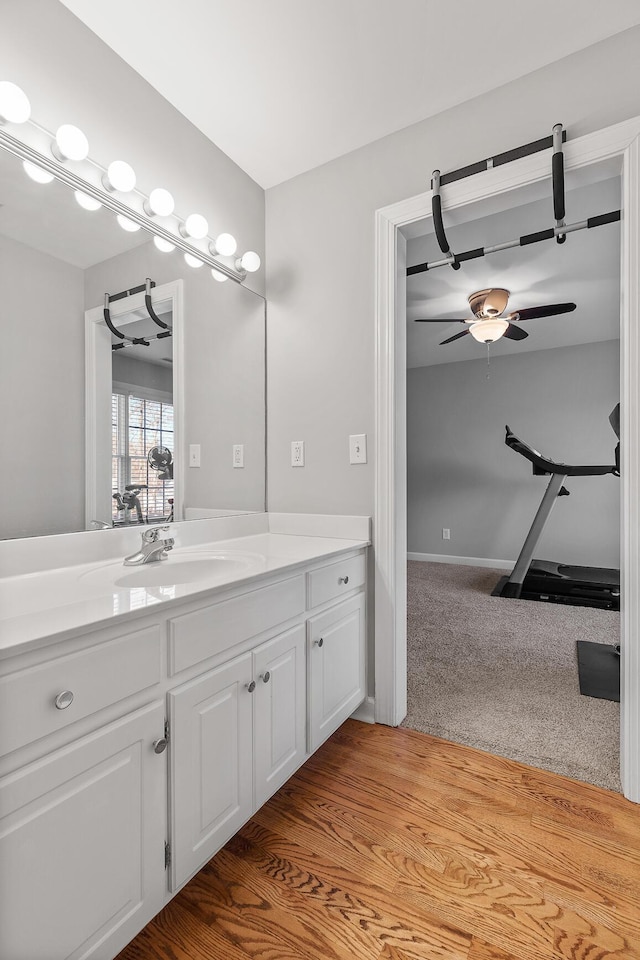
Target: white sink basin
165, 572
176, 569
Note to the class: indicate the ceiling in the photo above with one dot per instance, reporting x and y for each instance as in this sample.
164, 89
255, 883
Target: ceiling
286, 85
584, 270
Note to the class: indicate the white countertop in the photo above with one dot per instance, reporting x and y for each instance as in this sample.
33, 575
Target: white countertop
37, 607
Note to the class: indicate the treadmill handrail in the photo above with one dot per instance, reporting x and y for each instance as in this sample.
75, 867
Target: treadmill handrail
542, 465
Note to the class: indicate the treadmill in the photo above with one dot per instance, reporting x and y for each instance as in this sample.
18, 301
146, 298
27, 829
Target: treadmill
547, 580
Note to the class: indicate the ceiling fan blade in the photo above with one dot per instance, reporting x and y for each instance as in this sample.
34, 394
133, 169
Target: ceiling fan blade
515, 333
456, 336
547, 310
438, 320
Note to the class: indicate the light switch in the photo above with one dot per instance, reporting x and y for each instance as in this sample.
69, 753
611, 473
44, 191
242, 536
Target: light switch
194, 454
358, 448
238, 455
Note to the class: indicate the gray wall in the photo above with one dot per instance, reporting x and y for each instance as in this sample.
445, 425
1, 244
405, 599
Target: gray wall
71, 76
461, 475
320, 238
131, 370
224, 373
41, 393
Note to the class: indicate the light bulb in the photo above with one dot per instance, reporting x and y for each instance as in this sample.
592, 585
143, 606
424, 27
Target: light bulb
87, 202
14, 103
488, 331
220, 277
192, 261
195, 226
119, 176
37, 173
224, 244
126, 224
164, 245
70, 143
159, 204
249, 261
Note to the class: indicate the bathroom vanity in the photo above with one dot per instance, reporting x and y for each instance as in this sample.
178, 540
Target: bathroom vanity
143, 724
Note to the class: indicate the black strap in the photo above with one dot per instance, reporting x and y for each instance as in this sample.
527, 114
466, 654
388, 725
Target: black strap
436, 211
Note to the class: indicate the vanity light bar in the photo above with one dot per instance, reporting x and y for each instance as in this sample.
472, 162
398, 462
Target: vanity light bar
103, 196
25, 152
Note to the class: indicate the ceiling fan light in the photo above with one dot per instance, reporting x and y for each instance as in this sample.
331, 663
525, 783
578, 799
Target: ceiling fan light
488, 331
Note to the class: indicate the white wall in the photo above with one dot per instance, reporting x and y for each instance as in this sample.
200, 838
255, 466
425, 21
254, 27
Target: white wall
41, 393
461, 475
320, 237
71, 76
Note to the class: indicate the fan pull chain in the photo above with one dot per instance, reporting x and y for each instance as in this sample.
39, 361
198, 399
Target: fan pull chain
488, 360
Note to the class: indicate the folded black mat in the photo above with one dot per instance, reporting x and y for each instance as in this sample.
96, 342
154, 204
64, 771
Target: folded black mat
599, 670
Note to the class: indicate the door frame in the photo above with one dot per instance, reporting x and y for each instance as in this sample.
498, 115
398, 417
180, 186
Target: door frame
621, 142
98, 398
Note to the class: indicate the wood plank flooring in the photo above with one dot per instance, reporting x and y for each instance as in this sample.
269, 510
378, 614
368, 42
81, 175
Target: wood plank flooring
393, 845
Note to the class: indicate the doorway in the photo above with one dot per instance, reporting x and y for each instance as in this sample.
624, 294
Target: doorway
501, 674
620, 146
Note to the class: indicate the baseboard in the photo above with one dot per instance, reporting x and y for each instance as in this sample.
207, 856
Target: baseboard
468, 561
366, 711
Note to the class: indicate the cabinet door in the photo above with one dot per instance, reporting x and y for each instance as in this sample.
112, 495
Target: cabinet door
82, 844
211, 764
279, 711
336, 667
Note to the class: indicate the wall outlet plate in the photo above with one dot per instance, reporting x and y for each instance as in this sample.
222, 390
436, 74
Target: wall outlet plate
238, 455
297, 453
446, 533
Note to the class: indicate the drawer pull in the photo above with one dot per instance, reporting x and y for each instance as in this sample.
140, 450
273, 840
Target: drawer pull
318, 643
265, 677
344, 580
64, 700
159, 746
251, 686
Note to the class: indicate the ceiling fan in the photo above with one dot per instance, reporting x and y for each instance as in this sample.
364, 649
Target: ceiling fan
488, 324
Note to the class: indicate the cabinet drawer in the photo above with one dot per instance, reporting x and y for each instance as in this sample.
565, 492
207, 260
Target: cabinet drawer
197, 636
96, 676
332, 581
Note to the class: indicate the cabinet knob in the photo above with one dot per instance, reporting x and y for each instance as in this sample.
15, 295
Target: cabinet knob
265, 677
318, 643
343, 579
159, 746
251, 686
64, 700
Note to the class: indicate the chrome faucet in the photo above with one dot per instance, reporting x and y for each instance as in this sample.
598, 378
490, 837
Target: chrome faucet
152, 548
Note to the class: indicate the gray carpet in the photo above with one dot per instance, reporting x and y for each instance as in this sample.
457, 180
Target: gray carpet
502, 675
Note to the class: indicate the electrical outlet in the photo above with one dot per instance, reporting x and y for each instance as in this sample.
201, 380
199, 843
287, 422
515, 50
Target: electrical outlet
238, 455
194, 454
446, 533
297, 453
358, 448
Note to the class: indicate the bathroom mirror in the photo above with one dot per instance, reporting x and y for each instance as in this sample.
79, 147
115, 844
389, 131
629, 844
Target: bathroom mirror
81, 422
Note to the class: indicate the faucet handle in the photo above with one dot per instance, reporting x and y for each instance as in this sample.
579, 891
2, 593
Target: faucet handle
152, 534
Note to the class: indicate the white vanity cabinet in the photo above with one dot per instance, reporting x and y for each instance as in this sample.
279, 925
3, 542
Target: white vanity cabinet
211, 774
241, 684
81, 830
237, 734
336, 668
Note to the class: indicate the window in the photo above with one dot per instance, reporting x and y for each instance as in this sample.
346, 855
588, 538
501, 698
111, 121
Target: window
137, 425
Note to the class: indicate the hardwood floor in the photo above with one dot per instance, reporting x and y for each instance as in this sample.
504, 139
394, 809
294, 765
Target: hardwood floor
393, 845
